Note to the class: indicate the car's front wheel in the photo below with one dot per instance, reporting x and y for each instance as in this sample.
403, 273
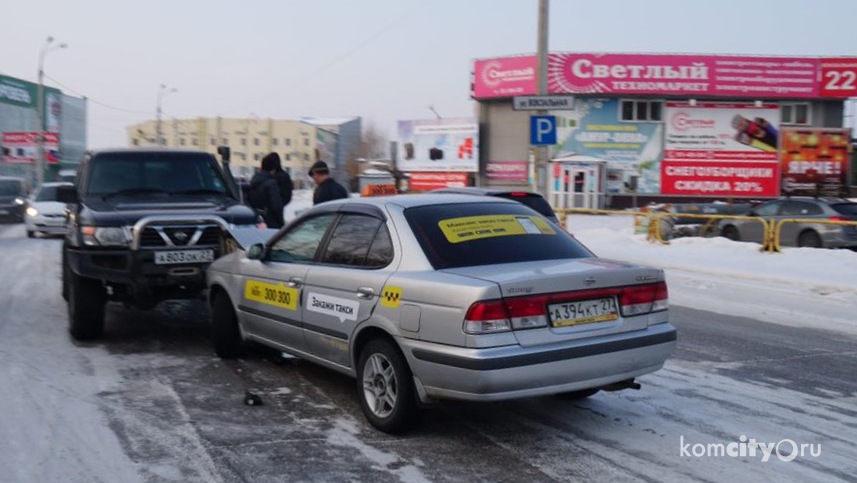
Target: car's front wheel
86, 301
385, 388
224, 327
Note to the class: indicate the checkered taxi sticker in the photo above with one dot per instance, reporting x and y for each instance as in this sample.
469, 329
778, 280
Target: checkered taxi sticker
391, 296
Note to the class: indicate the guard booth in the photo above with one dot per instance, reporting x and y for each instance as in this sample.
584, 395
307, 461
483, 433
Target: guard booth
578, 181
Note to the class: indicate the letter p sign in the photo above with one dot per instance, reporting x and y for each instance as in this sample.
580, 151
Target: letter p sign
542, 130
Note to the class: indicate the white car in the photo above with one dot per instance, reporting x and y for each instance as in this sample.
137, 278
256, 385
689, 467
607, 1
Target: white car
44, 214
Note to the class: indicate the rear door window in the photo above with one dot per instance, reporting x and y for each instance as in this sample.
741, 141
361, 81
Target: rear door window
471, 234
359, 241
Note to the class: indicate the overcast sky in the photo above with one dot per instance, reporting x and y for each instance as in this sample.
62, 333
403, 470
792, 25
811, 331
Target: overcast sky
383, 60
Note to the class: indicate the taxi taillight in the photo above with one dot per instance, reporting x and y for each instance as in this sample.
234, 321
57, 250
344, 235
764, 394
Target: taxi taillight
531, 311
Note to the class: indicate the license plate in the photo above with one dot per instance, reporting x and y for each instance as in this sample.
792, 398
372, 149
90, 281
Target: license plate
583, 312
184, 256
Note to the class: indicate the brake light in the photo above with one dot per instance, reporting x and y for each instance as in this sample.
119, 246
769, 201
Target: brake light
518, 194
838, 218
531, 311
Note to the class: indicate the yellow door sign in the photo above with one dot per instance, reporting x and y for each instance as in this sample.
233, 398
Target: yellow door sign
276, 294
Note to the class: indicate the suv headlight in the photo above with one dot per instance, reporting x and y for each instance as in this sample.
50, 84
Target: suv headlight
105, 236
19, 201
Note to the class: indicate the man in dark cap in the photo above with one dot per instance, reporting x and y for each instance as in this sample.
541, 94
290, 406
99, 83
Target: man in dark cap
326, 187
265, 192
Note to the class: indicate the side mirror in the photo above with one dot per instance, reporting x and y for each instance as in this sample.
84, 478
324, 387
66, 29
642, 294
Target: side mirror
256, 251
67, 194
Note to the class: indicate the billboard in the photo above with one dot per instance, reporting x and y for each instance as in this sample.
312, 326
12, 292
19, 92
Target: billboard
682, 75
22, 147
512, 171
430, 181
593, 131
438, 145
814, 161
721, 149
505, 77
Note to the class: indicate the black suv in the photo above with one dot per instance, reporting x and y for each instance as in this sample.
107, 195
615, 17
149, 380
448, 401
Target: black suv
13, 193
144, 224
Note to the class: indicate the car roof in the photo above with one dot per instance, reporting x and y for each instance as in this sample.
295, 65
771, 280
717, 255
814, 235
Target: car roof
406, 201
146, 149
478, 190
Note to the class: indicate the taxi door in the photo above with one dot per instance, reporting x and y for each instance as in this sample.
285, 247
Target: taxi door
341, 291
272, 288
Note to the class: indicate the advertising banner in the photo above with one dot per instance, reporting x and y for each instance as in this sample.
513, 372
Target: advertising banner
17, 92
505, 77
839, 77
507, 171
686, 75
430, 181
593, 132
721, 149
439, 145
814, 161
22, 147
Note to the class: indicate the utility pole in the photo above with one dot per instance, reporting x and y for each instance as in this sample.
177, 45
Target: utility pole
162, 92
541, 152
40, 110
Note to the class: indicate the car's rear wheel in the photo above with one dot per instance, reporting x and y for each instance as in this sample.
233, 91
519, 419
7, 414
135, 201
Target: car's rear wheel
31, 234
731, 233
385, 388
86, 301
574, 395
224, 327
809, 239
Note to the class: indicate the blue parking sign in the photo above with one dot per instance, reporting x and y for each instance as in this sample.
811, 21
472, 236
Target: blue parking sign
542, 130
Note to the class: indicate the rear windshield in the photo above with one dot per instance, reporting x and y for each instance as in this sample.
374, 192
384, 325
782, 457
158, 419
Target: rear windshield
535, 202
470, 234
170, 173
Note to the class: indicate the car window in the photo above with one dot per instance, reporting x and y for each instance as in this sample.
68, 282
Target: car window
800, 208
381, 252
300, 243
11, 187
769, 209
470, 234
47, 193
845, 208
534, 201
352, 239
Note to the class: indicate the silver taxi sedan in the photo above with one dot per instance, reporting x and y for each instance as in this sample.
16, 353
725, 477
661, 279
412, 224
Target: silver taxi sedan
429, 297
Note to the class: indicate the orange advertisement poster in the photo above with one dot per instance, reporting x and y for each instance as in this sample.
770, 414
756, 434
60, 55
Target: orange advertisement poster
814, 161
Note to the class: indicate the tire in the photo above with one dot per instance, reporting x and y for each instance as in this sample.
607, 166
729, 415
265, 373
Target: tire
731, 233
65, 270
31, 234
575, 395
86, 301
809, 239
385, 388
224, 328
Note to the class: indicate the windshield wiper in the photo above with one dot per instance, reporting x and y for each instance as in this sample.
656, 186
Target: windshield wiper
133, 192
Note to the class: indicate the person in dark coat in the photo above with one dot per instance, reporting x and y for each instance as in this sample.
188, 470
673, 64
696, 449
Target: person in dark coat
327, 188
284, 181
265, 194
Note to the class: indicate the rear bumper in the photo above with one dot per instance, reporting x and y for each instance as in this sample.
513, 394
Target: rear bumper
495, 374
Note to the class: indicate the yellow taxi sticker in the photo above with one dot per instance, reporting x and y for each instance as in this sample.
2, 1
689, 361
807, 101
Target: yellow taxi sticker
485, 226
391, 297
276, 294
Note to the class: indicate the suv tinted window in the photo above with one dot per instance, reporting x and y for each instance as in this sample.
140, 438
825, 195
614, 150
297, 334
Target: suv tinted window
11, 187
463, 235
168, 172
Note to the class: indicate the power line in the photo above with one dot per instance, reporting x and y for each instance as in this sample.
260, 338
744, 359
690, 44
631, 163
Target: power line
90, 99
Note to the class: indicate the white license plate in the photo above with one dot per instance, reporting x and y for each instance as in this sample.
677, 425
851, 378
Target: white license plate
583, 312
184, 256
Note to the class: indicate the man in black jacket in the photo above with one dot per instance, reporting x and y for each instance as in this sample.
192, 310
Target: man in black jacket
265, 193
327, 188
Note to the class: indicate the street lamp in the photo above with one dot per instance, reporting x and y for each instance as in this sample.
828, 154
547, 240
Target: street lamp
162, 92
40, 108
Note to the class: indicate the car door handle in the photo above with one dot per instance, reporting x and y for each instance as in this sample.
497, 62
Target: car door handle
365, 293
295, 282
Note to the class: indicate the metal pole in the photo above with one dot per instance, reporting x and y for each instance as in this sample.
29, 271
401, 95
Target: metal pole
542, 53
162, 92
40, 111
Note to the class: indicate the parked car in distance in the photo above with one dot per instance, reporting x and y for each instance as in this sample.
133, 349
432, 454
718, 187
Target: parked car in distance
799, 234
44, 214
13, 194
534, 200
427, 297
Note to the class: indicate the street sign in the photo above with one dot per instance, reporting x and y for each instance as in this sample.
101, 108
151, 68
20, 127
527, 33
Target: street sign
538, 103
542, 130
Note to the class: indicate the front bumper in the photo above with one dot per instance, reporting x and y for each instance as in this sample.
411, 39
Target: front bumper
494, 374
15, 211
52, 225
